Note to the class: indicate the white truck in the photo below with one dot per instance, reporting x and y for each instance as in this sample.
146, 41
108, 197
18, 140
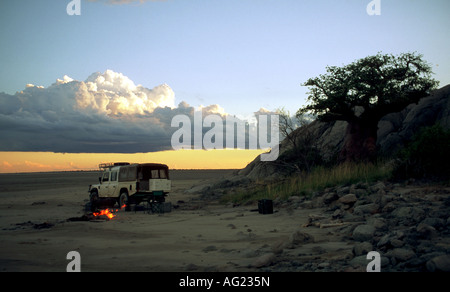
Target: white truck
127, 184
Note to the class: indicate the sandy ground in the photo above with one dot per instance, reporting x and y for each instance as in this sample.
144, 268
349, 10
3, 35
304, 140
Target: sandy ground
197, 236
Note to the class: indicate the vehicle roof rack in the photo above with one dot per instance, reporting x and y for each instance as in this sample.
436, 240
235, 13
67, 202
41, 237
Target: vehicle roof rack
112, 164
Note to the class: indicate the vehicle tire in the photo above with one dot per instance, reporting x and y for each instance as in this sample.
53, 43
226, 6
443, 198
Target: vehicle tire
94, 200
123, 200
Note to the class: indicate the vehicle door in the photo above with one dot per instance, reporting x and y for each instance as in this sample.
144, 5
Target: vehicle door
104, 190
113, 184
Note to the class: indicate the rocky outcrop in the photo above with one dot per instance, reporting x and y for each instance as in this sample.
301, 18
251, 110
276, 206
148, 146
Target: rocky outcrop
408, 225
394, 130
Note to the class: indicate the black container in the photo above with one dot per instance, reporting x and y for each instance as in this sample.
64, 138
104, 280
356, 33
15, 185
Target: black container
265, 206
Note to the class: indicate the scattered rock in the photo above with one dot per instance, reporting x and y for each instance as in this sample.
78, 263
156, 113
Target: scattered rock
362, 248
377, 187
364, 232
300, 237
329, 198
264, 260
210, 248
426, 231
408, 215
348, 199
439, 264
401, 254
366, 209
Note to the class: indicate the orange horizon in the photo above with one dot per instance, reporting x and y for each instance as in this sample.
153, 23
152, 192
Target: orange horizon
26, 162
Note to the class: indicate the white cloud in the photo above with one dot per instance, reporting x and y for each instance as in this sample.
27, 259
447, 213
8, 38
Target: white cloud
114, 94
106, 113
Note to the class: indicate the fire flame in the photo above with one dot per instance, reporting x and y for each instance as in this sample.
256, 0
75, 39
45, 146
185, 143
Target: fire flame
107, 213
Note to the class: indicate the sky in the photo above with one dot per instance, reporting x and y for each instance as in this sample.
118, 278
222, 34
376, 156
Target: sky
124, 68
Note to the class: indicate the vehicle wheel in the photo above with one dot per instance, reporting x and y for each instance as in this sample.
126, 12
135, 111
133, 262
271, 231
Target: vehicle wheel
123, 200
94, 200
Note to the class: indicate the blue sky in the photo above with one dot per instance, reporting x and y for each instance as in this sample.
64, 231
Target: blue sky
240, 54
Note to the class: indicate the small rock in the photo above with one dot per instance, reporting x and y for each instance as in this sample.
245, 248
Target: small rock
397, 242
401, 254
377, 187
323, 265
342, 191
299, 237
439, 263
408, 215
210, 248
426, 231
366, 209
362, 248
329, 198
363, 232
348, 199
359, 261
434, 222
378, 223
191, 267
264, 260
338, 213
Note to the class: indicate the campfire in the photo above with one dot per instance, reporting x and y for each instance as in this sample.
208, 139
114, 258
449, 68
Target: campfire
103, 214
106, 213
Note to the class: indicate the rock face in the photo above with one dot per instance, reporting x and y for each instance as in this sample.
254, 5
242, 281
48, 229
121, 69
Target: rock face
394, 130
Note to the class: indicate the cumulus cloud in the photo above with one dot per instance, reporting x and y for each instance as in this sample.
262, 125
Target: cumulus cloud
114, 94
106, 113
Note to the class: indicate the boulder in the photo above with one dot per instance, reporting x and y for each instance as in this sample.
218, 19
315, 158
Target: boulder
364, 233
371, 208
439, 264
349, 199
264, 260
401, 254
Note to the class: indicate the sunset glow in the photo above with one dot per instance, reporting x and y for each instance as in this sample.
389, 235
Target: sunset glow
11, 162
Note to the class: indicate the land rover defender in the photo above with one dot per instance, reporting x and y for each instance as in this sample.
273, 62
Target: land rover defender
127, 184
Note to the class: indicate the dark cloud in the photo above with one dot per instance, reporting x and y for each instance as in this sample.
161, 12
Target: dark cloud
107, 113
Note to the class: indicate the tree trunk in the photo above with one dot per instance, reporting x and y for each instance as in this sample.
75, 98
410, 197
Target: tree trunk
360, 142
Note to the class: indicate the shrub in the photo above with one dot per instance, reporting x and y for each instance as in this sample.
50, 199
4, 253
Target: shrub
426, 156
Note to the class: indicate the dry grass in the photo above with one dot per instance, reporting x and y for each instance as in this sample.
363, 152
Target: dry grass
318, 179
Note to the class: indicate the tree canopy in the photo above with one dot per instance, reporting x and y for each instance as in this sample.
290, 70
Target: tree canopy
369, 88
364, 91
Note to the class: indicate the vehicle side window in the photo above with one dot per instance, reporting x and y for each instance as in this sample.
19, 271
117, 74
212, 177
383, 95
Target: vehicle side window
114, 176
105, 176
